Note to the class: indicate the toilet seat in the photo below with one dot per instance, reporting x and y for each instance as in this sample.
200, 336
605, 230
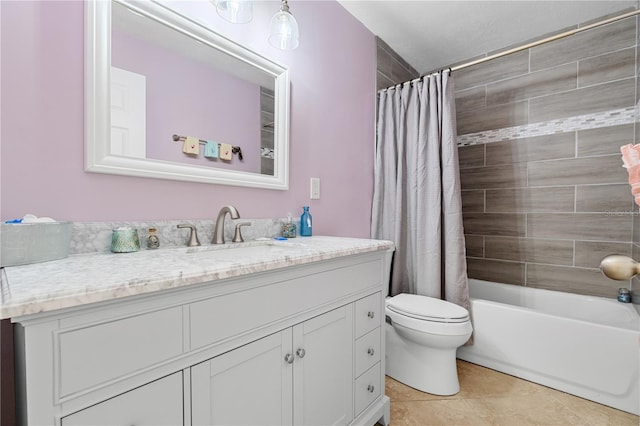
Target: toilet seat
427, 308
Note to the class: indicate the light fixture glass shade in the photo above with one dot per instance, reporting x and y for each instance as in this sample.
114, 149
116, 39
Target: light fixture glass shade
283, 30
236, 11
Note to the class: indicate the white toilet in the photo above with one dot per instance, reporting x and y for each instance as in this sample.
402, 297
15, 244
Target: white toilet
422, 336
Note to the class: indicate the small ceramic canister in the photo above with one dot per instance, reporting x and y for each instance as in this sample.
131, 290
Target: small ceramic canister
125, 240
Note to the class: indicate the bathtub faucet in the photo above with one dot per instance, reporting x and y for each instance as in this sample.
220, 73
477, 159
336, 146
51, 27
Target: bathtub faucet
619, 267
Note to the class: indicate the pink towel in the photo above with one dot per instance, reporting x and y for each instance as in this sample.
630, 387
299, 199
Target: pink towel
631, 160
630, 155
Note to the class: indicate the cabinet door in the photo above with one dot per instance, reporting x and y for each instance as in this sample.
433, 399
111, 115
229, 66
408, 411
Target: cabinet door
250, 385
323, 369
157, 403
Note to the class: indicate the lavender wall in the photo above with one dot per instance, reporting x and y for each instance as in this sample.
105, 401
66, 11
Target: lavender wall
192, 104
332, 123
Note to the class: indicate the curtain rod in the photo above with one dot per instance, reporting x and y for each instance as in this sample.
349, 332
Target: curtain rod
528, 45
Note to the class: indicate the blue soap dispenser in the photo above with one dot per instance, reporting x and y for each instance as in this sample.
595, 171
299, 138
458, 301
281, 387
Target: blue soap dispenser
305, 223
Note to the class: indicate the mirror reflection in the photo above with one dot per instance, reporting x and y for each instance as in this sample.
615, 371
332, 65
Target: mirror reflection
168, 98
165, 83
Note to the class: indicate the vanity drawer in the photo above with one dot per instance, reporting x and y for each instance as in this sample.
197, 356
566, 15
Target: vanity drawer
367, 388
99, 352
367, 351
368, 314
219, 318
156, 403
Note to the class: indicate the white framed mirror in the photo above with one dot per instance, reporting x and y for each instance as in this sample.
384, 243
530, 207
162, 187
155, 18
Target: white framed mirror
148, 147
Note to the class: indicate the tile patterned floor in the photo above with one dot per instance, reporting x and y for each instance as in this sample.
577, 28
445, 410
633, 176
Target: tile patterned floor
488, 397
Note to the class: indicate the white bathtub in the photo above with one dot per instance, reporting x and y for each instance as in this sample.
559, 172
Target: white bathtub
586, 346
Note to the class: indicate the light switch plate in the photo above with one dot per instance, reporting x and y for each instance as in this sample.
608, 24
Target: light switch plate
315, 188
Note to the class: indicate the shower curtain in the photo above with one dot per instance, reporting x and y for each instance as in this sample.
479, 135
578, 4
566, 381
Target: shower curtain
416, 201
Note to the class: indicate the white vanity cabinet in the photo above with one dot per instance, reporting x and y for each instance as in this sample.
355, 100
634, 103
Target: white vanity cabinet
301, 375
299, 345
249, 385
323, 369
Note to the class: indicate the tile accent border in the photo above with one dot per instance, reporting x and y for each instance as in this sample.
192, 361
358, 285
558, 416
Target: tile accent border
580, 122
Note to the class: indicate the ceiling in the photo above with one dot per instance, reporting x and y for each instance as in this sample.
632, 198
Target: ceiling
432, 35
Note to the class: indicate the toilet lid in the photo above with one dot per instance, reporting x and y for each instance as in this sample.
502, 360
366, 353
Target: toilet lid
427, 308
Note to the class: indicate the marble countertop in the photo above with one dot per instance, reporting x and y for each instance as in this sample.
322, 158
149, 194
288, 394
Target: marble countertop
88, 278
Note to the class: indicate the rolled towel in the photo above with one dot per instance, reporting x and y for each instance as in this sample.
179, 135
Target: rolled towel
31, 218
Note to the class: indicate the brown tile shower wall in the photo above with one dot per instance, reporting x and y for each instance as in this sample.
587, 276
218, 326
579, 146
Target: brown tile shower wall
543, 210
391, 68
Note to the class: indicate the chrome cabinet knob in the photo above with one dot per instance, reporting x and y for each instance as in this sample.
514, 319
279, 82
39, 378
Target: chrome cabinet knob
371, 352
371, 388
301, 353
288, 358
371, 314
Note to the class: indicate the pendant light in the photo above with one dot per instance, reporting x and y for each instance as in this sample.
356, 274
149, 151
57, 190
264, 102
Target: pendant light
236, 11
283, 30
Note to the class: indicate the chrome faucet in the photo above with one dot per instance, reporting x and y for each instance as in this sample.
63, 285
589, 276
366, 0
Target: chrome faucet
193, 236
218, 233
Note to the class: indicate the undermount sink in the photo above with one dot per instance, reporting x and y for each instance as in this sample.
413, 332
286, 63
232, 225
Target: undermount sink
253, 245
